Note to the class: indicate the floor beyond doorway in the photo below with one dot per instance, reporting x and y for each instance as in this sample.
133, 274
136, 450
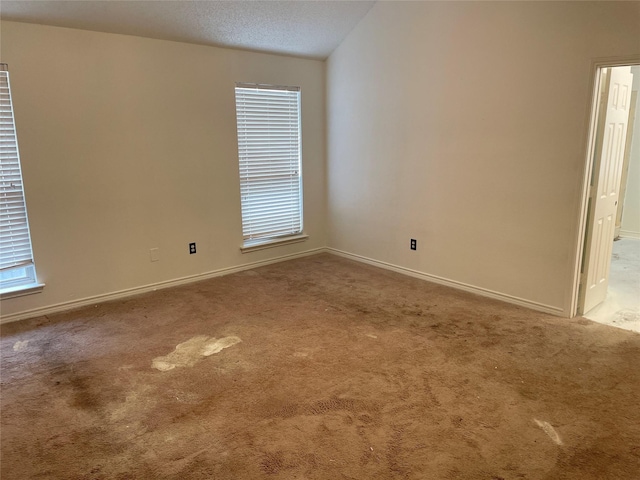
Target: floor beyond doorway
622, 305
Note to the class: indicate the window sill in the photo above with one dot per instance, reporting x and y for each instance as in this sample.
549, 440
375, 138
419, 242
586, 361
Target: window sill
277, 242
21, 290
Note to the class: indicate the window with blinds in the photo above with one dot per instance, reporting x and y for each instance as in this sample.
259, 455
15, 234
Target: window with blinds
16, 259
268, 121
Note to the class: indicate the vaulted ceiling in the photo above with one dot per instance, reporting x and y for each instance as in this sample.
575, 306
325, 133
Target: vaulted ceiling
311, 29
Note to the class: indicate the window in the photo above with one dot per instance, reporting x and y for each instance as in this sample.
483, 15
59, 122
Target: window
268, 120
17, 270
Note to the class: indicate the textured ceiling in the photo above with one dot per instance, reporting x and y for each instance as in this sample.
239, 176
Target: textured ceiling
311, 29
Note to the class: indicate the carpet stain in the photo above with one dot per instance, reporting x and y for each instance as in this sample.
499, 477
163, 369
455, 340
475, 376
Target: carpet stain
549, 430
190, 352
20, 345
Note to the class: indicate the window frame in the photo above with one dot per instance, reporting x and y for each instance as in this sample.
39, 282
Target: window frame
247, 113
19, 278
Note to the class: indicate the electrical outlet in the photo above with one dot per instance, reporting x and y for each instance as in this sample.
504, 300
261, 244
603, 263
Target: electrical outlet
414, 244
192, 248
154, 253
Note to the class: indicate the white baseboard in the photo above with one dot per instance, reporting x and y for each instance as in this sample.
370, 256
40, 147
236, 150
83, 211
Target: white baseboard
452, 283
629, 234
61, 307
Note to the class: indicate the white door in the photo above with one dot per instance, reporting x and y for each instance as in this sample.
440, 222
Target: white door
605, 185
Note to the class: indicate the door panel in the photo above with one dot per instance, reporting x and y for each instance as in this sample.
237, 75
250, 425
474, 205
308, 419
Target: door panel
608, 159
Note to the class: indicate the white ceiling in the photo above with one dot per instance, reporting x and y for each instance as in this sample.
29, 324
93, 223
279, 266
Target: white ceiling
311, 29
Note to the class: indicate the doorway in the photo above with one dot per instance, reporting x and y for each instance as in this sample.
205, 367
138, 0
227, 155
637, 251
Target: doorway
609, 277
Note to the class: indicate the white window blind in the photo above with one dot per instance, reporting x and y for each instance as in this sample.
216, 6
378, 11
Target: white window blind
268, 120
16, 258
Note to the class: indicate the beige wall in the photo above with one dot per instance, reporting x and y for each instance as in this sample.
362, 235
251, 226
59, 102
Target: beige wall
129, 144
464, 125
630, 225
460, 124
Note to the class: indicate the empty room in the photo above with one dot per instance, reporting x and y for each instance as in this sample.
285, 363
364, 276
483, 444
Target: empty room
319, 240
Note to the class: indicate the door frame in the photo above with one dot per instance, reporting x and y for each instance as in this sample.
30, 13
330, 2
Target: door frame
596, 66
